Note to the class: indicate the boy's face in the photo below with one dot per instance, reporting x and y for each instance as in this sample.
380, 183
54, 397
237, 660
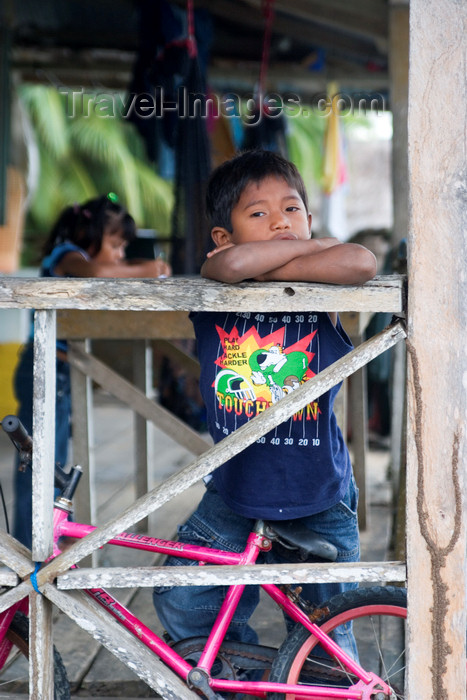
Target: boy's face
266, 211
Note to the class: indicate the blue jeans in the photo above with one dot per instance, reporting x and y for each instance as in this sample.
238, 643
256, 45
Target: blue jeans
189, 611
22, 483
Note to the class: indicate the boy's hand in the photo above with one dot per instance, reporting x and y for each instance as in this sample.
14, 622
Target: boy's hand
219, 248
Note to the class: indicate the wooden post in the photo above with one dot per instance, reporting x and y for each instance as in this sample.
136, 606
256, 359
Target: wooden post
399, 90
355, 325
399, 75
85, 501
359, 421
41, 668
142, 378
437, 364
43, 459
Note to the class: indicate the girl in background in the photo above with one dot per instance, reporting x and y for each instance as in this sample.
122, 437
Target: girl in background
88, 240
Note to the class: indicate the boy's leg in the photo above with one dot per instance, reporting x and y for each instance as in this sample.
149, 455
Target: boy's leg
339, 525
190, 611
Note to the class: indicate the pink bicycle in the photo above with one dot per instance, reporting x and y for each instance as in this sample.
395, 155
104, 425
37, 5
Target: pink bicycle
309, 663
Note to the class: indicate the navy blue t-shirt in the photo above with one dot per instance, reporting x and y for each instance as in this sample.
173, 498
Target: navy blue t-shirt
249, 361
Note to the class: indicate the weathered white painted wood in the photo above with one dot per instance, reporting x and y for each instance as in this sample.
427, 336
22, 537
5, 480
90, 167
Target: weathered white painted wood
7, 577
227, 448
108, 632
15, 594
119, 387
43, 456
85, 507
384, 293
437, 361
123, 577
41, 683
143, 380
359, 422
14, 554
41, 673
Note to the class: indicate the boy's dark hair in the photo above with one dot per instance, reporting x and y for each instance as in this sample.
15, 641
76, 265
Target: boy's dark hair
229, 179
84, 224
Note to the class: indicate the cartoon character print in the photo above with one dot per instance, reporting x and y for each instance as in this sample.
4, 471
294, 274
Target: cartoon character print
281, 372
256, 371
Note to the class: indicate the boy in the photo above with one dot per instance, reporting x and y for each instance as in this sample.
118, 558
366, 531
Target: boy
261, 228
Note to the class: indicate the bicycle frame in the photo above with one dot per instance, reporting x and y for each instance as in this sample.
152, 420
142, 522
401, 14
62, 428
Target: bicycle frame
5, 621
368, 685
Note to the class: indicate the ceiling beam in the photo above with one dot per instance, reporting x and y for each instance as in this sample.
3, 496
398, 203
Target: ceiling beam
370, 22
101, 69
311, 33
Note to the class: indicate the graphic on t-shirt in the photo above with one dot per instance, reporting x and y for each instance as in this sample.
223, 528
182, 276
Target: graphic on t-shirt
257, 372
282, 372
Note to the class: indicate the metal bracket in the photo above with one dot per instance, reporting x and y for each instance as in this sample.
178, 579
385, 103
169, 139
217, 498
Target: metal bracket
198, 678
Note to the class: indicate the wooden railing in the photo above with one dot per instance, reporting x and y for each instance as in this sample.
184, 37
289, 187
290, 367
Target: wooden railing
156, 298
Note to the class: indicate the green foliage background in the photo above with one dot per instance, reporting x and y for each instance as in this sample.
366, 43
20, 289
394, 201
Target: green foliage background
86, 155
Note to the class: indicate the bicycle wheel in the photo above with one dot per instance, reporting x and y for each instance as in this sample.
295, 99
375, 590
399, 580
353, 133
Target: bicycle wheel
18, 634
378, 618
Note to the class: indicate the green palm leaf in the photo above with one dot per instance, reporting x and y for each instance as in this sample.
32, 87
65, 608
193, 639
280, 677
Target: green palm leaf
88, 151
77, 184
305, 144
47, 199
46, 108
157, 200
102, 140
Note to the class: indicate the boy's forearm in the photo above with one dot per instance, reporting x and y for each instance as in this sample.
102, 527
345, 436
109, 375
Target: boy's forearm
314, 260
253, 260
348, 263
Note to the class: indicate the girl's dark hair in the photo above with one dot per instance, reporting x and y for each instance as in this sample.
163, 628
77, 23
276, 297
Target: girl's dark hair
84, 224
228, 181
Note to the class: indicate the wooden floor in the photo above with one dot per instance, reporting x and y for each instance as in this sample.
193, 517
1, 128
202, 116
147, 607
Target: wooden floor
93, 671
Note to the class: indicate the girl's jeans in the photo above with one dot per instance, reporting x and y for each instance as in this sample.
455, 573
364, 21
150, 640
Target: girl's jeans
190, 611
22, 483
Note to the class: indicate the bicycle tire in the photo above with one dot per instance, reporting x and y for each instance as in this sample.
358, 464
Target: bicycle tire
378, 613
18, 634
